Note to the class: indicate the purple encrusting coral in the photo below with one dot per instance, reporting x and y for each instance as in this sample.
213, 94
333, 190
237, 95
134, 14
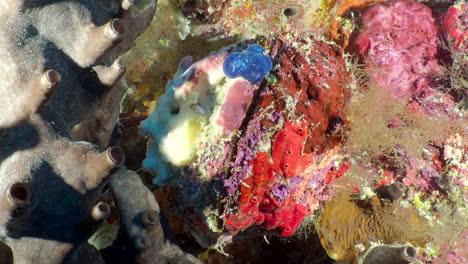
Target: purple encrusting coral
437, 103
429, 172
294, 182
215, 164
280, 192
317, 182
245, 153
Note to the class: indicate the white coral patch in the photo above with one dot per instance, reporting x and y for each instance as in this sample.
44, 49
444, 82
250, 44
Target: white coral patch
179, 146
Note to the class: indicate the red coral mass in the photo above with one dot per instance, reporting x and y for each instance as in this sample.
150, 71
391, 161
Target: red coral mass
317, 80
256, 204
314, 76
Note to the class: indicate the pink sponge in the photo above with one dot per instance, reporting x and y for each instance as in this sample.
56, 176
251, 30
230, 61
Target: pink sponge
456, 26
237, 101
400, 43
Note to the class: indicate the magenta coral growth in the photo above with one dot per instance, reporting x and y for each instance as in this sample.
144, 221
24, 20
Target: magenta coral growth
455, 24
400, 43
245, 154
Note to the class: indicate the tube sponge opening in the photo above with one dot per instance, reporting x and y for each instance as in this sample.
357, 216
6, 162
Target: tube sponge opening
391, 192
390, 255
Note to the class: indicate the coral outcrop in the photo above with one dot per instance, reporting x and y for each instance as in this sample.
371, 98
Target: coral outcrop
251, 164
206, 101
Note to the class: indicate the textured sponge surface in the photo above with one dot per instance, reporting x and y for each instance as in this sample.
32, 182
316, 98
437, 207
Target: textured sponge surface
250, 64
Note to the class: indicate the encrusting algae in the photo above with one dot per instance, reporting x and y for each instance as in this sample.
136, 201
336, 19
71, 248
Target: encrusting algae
348, 225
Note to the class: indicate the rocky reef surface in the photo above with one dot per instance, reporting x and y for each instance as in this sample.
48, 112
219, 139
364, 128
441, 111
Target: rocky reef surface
362, 122
59, 134
243, 131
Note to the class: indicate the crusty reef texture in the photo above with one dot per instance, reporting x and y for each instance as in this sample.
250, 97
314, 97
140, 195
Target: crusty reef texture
62, 86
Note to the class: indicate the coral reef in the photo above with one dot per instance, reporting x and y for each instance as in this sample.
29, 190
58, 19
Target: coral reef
408, 149
318, 121
277, 194
198, 27
290, 131
201, 117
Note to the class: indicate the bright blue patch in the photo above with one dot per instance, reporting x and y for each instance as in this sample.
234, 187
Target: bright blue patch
255, 49
250, 64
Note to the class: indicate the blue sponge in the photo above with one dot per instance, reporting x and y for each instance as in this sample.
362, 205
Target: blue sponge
250, 64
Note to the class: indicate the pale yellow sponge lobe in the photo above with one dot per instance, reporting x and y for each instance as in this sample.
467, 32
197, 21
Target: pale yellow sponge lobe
179, 146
